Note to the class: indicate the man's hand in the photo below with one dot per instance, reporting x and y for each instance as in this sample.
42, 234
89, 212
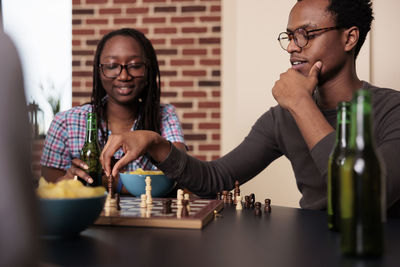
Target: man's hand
293, 87
293, 92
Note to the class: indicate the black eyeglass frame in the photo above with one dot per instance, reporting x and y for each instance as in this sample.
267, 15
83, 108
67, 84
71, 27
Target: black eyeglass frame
121, 67
307, 35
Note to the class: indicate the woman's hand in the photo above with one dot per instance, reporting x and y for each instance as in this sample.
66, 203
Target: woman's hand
134, 144
77, 169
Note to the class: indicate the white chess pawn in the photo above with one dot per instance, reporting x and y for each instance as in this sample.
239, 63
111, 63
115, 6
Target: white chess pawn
179, 193
143, 198
148, 211
179, 211
239, 203
148, 195
179, 198
148, 190
143, 212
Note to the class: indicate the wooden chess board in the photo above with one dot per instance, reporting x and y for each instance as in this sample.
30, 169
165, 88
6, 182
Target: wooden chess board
201, 212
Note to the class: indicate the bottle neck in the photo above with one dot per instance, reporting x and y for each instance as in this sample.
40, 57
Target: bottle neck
343, 125
361, 121
91, 128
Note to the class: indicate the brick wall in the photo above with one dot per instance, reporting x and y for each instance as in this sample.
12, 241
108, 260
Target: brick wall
186, 35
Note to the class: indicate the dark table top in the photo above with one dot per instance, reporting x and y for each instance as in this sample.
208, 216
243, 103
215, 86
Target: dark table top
286, 237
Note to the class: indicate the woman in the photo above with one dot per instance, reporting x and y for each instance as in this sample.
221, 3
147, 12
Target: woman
125, 97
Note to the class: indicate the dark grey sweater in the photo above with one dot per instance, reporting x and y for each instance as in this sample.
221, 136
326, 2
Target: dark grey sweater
275, 134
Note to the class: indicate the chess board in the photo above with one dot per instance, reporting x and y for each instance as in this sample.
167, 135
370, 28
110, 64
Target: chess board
201, 212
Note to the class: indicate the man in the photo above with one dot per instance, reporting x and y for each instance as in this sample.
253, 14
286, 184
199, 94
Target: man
323, 38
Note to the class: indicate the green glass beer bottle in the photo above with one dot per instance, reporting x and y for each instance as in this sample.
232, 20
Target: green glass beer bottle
90, 152
336, 160
362, 187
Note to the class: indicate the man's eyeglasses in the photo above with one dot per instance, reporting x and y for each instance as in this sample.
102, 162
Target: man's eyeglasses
300, 36
113, 70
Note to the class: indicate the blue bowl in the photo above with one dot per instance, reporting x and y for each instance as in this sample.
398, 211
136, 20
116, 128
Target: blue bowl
67, 217
136, 185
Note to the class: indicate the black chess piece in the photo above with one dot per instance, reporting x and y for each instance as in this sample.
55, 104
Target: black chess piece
218, 195
225, 196
252, 200
247, 202
257, 210
230, 199
267, 207
166, 209
110, 186
185, 212
236, 192
118, 199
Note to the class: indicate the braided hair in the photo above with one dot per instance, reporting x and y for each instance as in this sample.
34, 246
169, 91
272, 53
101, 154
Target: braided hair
148, 116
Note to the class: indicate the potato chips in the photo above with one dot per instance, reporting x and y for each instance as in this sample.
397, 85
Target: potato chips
142, 172
67, 189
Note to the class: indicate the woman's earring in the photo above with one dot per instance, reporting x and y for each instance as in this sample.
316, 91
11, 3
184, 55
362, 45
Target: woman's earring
140, 100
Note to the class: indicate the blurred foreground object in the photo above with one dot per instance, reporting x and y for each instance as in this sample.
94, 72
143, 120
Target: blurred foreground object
67, 189
362, 185
67, 217
18, 228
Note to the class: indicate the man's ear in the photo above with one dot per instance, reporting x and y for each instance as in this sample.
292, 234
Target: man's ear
351, 36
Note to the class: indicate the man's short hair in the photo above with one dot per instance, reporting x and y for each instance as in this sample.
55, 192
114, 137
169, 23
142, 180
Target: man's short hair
350, 13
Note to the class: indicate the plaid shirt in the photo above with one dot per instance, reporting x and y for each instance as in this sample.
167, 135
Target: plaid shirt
67, 132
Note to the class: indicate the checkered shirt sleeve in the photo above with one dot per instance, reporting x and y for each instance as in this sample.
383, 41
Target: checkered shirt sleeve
66, 136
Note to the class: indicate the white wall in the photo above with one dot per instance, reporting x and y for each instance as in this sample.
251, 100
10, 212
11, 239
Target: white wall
42, 33
252, 62
385, 55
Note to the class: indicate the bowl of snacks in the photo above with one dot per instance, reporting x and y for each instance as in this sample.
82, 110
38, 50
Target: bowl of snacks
135, 182
68, 207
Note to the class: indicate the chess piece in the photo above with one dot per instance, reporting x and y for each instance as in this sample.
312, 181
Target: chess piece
179, 198
185, 212
225, 196
187, 197
179, 211
257, 210
218, 195
236, 192
110, 206
143, 199
230, 200
118, 199
166, 206
267, 207
239, 203
148, 211
149, 199
142, 212
252, 200
109, 185
247, 202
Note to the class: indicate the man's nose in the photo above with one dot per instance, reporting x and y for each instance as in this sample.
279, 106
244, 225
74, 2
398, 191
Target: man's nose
293, 47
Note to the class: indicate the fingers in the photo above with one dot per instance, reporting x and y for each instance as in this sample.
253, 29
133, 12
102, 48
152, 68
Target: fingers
112, 146
76, 171
121, 163
315, 70
80, 163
